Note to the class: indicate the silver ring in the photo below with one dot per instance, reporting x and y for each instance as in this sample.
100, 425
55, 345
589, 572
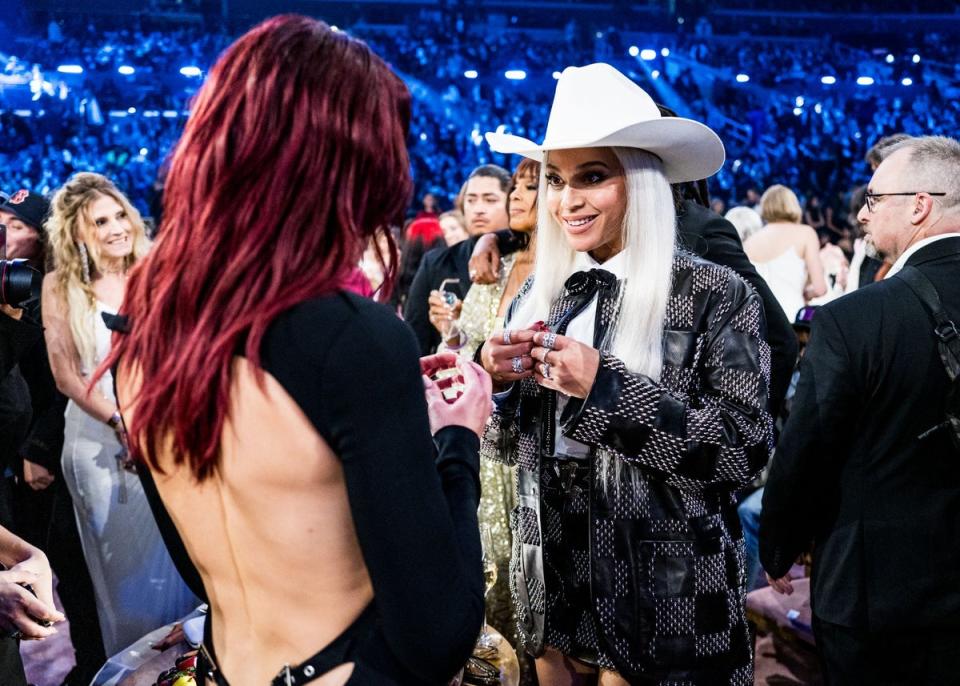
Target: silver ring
506, 336
545, 370
549, 340
517, 365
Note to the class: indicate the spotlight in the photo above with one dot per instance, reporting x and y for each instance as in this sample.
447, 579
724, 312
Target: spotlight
907, 81
648, 54
828, 80
634, 51
799, 101
556, 75
665, 52
70, 69
655, 74
742, 78
470, 74
864, 80
890, 58
126, 70
515, 74
131, 110
916, 58
190, 71
797, 111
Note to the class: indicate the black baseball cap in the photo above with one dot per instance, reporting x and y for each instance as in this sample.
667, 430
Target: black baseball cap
30, 208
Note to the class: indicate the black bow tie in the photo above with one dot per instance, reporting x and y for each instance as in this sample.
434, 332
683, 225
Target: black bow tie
588, 283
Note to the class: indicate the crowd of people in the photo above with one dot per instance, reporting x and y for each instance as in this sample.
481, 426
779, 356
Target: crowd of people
783, 124
563, 425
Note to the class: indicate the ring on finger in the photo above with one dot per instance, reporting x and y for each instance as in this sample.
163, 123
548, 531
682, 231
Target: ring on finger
549, 340
506, 336
545, 370
517, 365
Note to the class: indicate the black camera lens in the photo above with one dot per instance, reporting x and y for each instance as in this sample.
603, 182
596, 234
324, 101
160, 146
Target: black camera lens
19, 282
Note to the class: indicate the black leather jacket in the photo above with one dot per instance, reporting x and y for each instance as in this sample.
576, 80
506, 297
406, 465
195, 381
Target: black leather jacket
667, 559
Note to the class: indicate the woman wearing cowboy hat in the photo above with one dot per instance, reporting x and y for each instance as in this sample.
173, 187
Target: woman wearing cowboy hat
633, 381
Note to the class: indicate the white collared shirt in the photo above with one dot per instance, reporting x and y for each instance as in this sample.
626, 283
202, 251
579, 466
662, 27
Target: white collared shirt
908, 253
581, 328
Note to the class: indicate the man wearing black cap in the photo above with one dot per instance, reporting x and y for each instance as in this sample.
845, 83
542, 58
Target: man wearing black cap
42, 505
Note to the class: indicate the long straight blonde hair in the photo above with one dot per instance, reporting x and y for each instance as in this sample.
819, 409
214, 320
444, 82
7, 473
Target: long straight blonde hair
69, 225
649, 240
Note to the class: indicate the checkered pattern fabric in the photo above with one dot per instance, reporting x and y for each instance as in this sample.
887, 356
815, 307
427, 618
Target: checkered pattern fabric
663, 556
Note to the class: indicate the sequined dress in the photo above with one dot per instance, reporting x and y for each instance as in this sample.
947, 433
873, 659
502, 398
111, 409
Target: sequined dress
478, 319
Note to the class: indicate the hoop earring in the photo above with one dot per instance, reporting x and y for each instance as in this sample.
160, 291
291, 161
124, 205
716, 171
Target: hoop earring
84, 262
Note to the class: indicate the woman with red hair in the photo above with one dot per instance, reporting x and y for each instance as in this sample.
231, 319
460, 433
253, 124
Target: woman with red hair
307, 488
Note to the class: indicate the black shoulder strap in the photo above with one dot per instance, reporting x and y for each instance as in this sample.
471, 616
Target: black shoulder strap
945, 328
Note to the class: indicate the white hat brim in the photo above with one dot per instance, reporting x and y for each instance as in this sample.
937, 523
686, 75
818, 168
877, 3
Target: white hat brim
690, 151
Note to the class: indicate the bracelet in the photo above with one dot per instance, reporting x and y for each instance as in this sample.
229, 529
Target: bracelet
115, 420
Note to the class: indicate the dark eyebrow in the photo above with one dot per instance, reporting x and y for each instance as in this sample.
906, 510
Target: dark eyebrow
585, 165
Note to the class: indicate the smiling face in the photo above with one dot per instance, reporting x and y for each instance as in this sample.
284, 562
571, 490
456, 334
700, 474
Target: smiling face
587, 197
110, 227
523, 204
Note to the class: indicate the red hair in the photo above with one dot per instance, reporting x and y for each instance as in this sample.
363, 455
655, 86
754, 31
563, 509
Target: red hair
293, 158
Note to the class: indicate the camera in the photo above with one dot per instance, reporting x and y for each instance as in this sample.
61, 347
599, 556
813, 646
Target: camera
19, 282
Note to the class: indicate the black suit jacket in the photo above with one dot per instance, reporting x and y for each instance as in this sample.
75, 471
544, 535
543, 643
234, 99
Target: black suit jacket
851, 474
709, 235
437, 265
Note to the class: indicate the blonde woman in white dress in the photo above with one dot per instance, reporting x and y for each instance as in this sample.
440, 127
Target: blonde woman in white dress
785, 252
95, 237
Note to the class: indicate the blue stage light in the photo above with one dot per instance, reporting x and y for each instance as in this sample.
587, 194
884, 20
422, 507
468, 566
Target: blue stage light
742, 78
648, 54
828, 80
126, 69
70, 69
864, 80
515, 74
634, 51
470, 74
190, 71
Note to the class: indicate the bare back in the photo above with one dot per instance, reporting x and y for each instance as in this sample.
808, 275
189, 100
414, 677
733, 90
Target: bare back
330, 492
265, 530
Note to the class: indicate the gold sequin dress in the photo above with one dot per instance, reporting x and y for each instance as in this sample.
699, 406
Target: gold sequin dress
478, 319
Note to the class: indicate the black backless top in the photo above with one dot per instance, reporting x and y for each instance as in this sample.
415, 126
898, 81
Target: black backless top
351, 365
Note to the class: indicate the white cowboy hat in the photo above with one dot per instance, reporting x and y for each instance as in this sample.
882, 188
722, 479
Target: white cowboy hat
597, 106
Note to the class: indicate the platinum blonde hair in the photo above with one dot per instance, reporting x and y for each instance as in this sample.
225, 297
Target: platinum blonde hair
649, 239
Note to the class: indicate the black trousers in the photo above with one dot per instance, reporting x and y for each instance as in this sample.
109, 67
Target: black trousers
11, 668
852, 656
47, 520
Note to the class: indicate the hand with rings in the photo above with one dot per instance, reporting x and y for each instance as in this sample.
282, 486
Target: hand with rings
506, 355
564, 364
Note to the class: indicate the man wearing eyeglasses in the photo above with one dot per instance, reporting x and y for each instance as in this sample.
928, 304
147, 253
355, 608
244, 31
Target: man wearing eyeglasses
865, 469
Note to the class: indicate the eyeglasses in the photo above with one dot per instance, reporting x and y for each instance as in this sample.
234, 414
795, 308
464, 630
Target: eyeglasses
871, 198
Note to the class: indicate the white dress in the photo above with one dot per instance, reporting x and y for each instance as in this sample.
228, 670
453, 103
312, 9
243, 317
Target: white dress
786, 274
137, 587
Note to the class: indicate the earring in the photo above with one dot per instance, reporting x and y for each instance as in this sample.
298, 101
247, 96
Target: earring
84, 261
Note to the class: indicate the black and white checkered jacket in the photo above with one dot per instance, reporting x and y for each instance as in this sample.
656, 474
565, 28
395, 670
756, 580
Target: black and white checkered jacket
666, 559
